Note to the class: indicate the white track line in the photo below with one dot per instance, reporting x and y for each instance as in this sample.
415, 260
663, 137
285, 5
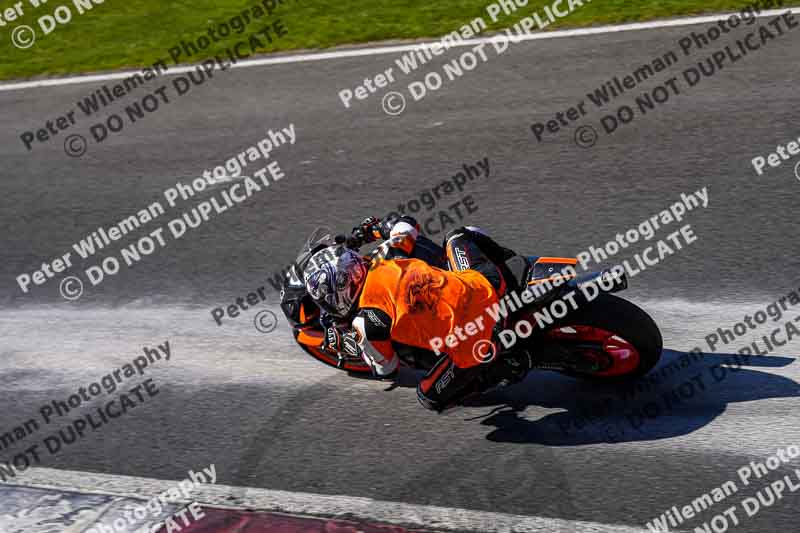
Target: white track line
317, 505
379, 50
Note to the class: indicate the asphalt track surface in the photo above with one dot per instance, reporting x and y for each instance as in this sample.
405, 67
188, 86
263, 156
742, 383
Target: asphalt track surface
269, 417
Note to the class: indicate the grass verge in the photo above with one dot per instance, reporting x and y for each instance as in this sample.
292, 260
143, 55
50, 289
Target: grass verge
136, 33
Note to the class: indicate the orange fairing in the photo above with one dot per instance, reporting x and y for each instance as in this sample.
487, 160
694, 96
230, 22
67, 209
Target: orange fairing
559, 260
310, 337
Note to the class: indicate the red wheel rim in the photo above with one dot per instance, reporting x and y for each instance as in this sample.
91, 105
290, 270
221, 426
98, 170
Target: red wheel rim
624, 355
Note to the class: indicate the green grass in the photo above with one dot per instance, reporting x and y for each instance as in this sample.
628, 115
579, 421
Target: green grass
135, 33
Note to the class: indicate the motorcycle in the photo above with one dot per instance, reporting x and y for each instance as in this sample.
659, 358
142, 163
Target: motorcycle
603, 338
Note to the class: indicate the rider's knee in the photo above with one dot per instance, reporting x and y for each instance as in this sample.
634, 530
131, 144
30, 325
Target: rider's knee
476, 229
456, 232
473, 233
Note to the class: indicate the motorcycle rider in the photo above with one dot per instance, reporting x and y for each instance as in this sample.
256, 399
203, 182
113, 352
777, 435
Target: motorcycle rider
403, 299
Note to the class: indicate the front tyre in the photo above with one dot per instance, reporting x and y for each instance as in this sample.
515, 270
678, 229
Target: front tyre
617, 333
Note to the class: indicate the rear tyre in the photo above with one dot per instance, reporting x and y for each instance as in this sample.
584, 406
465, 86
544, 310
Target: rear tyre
631, 327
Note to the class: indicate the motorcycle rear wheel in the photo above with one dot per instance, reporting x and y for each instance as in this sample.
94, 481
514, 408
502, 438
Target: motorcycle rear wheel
626, 333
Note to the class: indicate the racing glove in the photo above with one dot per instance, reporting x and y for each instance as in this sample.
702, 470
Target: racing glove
344, 343
341, 341
368, 231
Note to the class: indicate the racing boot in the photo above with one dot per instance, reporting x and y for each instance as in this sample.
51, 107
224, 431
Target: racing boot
508, 368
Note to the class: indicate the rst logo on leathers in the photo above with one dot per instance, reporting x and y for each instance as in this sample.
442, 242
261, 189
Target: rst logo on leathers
461, 257
444, 381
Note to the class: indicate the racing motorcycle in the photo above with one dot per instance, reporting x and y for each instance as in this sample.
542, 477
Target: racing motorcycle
603, 337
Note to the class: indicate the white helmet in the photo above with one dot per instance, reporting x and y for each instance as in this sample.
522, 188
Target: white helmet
334, 278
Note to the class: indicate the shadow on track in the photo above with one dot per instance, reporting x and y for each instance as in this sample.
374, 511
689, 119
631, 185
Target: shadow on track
683, 394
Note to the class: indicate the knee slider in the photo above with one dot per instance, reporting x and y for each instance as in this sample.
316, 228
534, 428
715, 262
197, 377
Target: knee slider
427, 403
